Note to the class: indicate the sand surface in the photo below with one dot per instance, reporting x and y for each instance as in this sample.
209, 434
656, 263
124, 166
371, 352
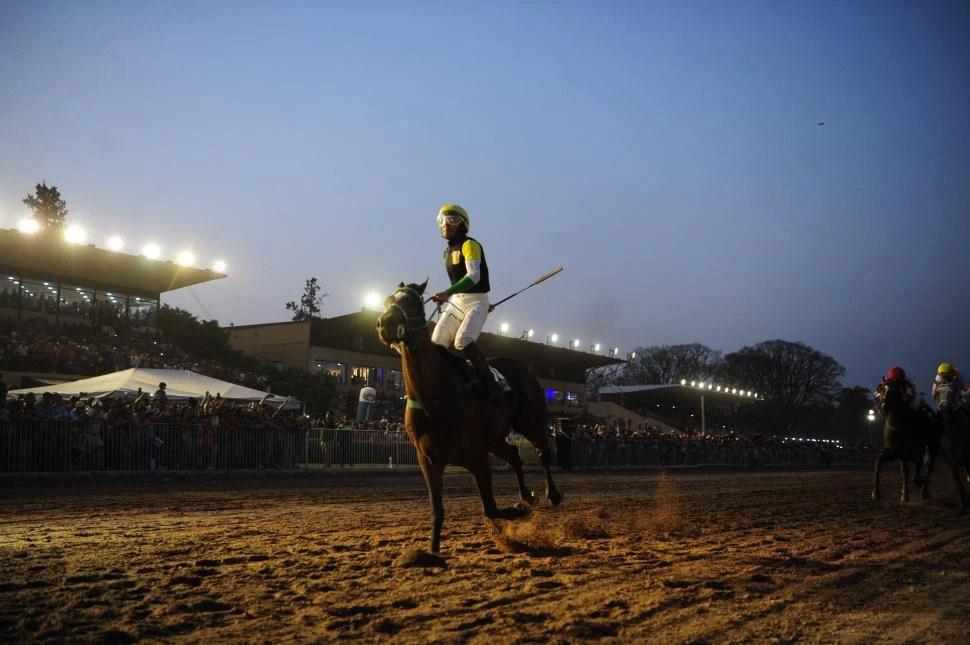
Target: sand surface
680, 557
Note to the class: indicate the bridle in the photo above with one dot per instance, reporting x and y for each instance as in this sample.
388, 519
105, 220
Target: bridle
411, 323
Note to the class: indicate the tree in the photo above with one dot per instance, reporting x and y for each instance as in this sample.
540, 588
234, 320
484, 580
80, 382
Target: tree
200, 338
664, 364
793, 378
49, 209
851, 419
309, 306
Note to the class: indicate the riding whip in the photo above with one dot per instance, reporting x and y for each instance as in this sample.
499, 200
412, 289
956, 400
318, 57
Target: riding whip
538, 281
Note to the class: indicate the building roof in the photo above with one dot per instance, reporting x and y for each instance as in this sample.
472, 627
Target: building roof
357, 331
48, 257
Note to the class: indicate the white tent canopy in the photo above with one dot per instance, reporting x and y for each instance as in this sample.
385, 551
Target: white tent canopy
179, 386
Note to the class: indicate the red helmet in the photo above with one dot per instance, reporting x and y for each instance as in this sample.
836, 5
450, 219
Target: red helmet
896, 372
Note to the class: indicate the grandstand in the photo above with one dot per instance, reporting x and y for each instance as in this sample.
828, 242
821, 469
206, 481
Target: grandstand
53, 282
347, 348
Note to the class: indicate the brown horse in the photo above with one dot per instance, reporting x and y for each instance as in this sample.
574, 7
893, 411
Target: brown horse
909, 436
956, 435
451, 423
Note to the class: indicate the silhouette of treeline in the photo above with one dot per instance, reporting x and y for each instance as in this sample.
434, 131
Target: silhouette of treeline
799, 388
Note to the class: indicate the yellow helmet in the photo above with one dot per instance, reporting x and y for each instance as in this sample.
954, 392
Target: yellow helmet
453, 210
945, 369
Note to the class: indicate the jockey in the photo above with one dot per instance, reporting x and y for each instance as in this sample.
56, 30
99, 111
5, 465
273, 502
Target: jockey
910, 394
948, 374
462, 320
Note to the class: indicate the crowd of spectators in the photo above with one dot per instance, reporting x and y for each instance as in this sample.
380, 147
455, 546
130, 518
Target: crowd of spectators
146, 432
38, 345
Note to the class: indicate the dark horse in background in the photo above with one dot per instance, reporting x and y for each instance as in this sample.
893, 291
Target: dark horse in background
909, 436
956, 434
449, 422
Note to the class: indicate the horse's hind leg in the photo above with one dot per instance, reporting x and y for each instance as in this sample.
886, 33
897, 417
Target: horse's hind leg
433, 478
552, 493
510, 454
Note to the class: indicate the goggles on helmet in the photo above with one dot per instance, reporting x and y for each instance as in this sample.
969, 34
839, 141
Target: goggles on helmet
450, 218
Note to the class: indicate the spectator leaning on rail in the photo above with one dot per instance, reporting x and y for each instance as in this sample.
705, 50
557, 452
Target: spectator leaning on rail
462, 320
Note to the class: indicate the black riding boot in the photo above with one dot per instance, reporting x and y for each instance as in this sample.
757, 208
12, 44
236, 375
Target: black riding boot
482, 371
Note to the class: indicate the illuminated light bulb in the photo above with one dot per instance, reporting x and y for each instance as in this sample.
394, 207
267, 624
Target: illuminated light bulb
74, 234
29, 226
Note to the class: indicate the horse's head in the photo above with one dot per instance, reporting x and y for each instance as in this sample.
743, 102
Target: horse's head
403, 318
947, 397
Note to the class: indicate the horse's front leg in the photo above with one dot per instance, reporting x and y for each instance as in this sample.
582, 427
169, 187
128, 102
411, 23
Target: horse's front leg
958, 482
433, 478
510, 454
904, 471
929, 458
881, 457
483, 479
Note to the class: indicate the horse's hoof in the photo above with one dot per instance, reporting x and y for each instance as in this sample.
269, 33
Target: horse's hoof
876, 496
517, 511
555, 498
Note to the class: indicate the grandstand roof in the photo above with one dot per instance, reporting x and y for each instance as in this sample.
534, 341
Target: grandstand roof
47, 257
569, 364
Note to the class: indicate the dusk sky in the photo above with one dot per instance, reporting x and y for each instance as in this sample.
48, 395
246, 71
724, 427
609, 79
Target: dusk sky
667, 154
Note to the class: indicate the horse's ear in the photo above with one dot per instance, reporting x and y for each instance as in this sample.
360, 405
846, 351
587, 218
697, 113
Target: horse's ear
423, 285
400, 286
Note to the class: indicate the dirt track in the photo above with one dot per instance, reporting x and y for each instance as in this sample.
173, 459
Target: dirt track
681, 557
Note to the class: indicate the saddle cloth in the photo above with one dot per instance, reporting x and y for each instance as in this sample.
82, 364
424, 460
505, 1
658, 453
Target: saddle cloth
500, 380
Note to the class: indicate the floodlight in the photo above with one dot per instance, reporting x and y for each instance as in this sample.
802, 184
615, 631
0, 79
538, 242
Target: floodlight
29, 226
185, 258
115, 243
504, 327
372, 300
74, 234
151, 251
219, 266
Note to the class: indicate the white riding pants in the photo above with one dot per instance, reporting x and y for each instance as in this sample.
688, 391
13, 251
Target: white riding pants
462, 320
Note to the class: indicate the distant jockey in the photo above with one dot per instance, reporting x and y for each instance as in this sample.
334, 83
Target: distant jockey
949, 375
911, 395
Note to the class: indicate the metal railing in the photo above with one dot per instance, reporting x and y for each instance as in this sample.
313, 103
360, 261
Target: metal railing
33, 445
